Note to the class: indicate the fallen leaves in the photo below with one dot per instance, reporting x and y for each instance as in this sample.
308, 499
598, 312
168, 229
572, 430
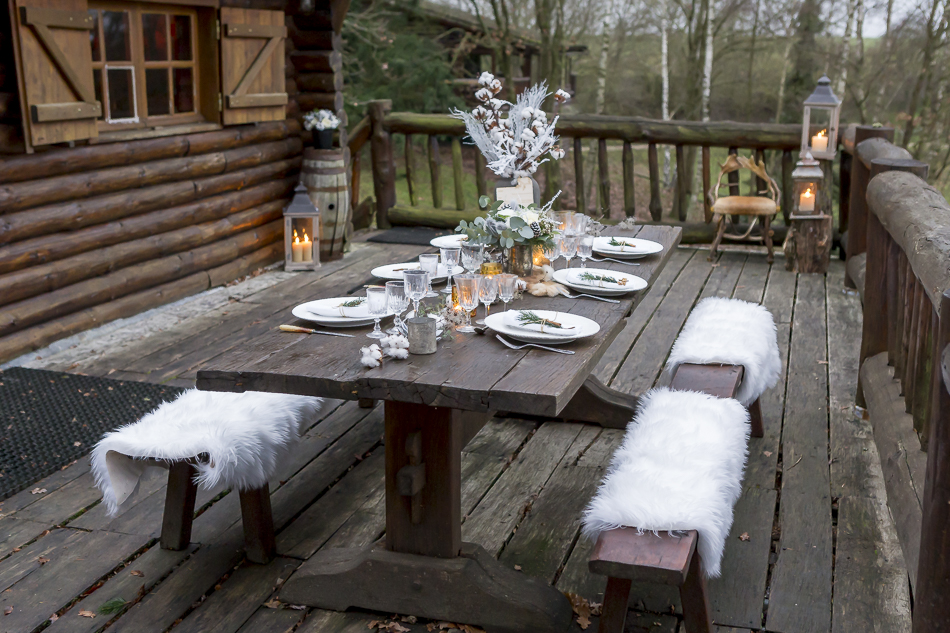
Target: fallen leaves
274, 603
53, 618
767, 453
42, 560
38, 491
138, 573
84, 613
517, 567
744, 536
389, 627
442, 626
583, 609
8, 611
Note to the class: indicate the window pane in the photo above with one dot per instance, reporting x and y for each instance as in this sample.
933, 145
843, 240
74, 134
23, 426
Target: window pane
121, 94
94, 37
156, 86
181, 37
184, 90
97, 83
115, 30
154, 37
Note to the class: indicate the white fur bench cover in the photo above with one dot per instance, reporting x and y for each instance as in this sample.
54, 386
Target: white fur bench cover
243, 434
731, 332
679, 467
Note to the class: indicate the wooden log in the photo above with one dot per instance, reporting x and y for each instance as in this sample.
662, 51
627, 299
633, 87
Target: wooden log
457, 174
71, 216
24, 195
359, 135
40, 336
314, 19
435, 171
707, 184
922, 369
410, 170
865, 152
401, 215
787, 185
57, 162
603, 173
305, 40
808, 248
844, 193
481, 182
580, 194
899, 300
913, 321
85, 294
384, 170
629, 199
317, 61
656, 206
876, 298
320, 82
308, 101
681, 204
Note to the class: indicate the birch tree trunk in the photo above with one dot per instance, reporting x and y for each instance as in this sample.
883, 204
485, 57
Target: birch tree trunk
599, 102
665, 103
784, 77
751, 72
846, 49
707, 65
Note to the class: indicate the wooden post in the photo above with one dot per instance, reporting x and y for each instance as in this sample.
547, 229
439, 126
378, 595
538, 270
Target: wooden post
603, 186
844, 196
656, 206
580, 197
629, 202
457, 173
355, 172
410, 171
788, 165
681, 208
384, 169
760, 185
707, 183
481, 183
435, 171
856, 239
257, 518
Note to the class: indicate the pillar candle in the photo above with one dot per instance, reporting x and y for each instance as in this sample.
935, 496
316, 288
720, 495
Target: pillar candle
307, 249
819, 142
297, 249
806, 201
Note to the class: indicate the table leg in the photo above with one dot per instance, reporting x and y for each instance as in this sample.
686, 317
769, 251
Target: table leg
596, 403
425, 569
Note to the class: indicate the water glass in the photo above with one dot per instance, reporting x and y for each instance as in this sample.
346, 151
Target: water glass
417, 283
569, 247
397, 300
377, 305
487, 292
472, 256
429, 262
553, 251
450, 258
579, 224
467, 287
507, 284
563, 219
585, 247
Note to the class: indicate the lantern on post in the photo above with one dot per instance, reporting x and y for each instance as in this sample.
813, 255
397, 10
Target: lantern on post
820, 124
301, 232
807, 181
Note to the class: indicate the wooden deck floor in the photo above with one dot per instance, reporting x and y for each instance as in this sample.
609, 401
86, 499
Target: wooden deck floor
813, 547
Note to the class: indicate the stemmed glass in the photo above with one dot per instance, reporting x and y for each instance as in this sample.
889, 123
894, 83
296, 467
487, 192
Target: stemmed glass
568, 247
579, 223
450, 257
467, 286
429, 262
563, 219
585, 247
417, 283
377, 305
397, 300
553, 251
507, 283
472, 256
487, 291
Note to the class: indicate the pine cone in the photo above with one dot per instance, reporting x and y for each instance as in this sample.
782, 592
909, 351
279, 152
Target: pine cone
536, 227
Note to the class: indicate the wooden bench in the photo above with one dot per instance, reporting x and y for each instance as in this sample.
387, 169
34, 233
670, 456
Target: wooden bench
721, 381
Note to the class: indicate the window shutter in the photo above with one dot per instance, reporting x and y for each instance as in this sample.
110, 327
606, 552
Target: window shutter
55, 71
252, 65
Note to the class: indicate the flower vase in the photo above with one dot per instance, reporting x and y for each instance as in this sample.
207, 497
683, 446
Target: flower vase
525, 190
323, 139
519, 260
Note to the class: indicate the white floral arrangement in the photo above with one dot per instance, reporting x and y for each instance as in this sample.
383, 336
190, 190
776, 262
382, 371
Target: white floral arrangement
393, 346
513, 146
320, 120
508, 223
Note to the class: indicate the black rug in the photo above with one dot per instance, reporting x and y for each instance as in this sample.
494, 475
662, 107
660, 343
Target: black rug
416, 235
49, 418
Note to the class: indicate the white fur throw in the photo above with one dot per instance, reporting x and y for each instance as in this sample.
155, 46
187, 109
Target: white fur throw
244, 435
679, 468
731, 332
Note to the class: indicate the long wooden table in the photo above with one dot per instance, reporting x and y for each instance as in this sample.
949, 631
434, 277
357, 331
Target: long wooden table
433, 405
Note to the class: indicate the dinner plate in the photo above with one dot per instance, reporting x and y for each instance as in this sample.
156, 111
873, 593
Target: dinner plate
302, 311
393, 272
583, 327
570, 278
639, 248
448, 241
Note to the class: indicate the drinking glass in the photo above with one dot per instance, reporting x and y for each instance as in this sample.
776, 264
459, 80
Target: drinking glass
467, 287
585, 247
554, 251
579, 223
563, 219
472, 256
429, 262
397, 300
568, 247
417, 282
377, 305
487, 292
507, 284
450, 257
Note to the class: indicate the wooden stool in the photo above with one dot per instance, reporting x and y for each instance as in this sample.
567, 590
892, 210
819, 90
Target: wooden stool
721, 381
625, 555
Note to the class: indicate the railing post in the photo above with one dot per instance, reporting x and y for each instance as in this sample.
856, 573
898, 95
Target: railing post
656, 206
603, 172
384, 169
856, 239
580, 195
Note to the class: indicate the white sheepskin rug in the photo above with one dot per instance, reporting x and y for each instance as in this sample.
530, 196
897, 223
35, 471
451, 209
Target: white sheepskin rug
731, 332
243, 434
680, 467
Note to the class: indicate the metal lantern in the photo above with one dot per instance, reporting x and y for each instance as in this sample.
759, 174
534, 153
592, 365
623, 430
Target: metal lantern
807, 179
301, 232
820, 125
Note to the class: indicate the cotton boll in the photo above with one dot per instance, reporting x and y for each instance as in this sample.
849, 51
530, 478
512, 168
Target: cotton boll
561, 96
527, 135
369, 362
486, 78
484, 94
557, 153
399, 353
495, 86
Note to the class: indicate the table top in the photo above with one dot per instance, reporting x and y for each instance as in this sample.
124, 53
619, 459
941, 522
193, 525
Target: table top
470, 372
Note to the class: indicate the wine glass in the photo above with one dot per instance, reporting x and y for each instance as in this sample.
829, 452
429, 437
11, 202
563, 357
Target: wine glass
377, 305
397, 300
429, 262
563, 219
472, 256
450, 257
553, 251
568, 247
467, 287
579, 223
507, 284
487, 292
417, 283
585, 247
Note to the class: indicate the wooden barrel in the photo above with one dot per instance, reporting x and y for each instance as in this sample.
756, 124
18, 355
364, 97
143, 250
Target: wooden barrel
324, 175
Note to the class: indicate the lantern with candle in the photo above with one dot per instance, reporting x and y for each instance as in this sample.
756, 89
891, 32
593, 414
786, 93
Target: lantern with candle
301, 233
820, 124
807, 180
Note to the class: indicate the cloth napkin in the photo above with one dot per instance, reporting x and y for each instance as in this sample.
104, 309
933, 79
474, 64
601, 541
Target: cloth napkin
631, 246
511, 319
331, 309
576, 279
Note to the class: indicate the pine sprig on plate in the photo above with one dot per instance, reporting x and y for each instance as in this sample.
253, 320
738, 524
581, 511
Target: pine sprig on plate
526, 317
615, 242
602, 278
353, 303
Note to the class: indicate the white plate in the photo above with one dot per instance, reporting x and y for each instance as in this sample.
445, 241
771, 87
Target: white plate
583, 328
567, 276
640, 248
448, 241
302, 312
393, 272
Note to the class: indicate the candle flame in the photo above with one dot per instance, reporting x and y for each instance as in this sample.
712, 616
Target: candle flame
296, 239
306, 240
820, 134
295, 232
808, 193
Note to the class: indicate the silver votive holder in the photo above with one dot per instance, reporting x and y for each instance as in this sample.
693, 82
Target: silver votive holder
422, 332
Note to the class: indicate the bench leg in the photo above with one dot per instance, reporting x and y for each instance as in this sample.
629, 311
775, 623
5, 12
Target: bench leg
696, 611
755, 418
614, 613
259, 541
179, 506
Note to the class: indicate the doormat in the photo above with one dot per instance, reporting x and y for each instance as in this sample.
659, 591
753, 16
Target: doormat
415, 235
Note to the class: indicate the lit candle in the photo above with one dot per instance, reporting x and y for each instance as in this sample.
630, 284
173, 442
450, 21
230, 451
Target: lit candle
819, 142
307, 250
806, 202
297, 248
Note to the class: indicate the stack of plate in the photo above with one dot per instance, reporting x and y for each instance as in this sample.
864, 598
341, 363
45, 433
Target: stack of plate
328, 312
393, 272
571, 277
629, 248
573, 327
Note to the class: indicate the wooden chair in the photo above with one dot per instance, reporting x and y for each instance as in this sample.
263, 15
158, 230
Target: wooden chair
760, 206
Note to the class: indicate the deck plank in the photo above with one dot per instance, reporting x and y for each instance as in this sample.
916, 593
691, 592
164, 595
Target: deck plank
267, 620
751, 283
725, 275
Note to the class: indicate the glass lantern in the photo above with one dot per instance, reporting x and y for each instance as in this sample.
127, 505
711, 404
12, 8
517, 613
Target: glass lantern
807, 179
301, 233
820, 125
